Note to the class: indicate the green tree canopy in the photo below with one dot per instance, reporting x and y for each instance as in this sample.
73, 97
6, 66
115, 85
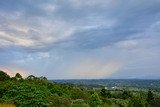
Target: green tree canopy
126, 94
31, 77
137, 101
94, 100
43, 78
157, 101
4, 76
150, 98
18, 76
26, 94
103, 92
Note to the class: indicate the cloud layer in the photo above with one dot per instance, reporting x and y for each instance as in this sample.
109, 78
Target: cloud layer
81, 39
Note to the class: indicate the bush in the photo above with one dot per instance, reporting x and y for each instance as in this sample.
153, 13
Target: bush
26, 94
94, 100
79, 103
137, 101
77, 93
60, 101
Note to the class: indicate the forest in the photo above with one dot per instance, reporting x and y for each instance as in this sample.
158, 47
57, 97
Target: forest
35, 91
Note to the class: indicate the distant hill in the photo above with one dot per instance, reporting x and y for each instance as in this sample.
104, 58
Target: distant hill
139, 83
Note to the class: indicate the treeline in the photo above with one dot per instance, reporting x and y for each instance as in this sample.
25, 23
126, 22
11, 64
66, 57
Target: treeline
39, 92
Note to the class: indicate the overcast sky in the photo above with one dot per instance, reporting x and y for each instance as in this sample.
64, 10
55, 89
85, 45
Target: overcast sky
80, 39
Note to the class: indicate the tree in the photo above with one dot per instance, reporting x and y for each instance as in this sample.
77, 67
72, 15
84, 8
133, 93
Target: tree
42, 78
150, 98
137, 101
109, 95
27, 94
103, 93
126, 94
18, 76
94, 100
4, 76
4, 86
157, 101
31, 77
77, 93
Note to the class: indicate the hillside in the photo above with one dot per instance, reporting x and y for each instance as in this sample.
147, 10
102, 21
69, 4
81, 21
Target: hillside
39, 92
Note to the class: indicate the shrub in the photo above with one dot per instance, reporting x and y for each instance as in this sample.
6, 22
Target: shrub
26, 94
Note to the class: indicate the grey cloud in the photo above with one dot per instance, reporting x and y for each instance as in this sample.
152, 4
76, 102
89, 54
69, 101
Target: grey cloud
122, 14
58, 34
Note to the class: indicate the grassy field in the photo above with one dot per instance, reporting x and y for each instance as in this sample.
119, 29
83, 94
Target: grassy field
6, 105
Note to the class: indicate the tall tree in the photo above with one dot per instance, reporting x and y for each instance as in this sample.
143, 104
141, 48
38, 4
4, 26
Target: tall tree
31, 77
4, 76
150, 98
18, 76
103, 92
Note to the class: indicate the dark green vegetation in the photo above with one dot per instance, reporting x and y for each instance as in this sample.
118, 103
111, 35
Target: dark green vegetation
153, 84
39, 92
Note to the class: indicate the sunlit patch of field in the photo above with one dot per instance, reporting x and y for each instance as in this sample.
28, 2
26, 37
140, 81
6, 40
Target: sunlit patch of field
7, 105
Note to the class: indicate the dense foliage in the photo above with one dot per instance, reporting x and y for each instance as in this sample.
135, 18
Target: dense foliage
4, 76
39, 92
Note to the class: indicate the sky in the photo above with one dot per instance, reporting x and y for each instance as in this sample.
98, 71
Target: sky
81, 39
